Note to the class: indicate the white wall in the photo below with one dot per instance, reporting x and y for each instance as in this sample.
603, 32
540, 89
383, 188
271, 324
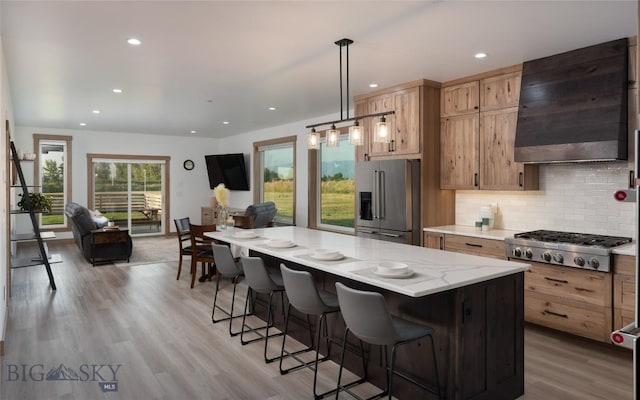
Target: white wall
572, 198
188, 191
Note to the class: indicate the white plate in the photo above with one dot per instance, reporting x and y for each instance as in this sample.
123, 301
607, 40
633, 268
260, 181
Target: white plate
327, 257
326, 253
245, 235
405, 274
281, 244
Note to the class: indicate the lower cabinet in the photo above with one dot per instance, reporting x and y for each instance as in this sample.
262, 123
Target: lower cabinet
465, 244
572, 300
624, 290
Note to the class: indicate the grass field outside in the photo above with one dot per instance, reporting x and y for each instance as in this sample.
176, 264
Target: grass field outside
337, 199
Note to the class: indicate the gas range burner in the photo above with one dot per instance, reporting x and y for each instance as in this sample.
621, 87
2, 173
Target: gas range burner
577, 250
580, 239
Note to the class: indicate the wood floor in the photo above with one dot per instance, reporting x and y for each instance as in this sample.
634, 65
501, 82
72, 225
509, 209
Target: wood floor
160, 334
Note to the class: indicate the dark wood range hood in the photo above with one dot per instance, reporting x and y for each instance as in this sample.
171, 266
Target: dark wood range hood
573, 106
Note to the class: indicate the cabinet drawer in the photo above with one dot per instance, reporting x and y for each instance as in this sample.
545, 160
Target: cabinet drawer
109, 237
576, 284
624, 292
475, 246
574, 317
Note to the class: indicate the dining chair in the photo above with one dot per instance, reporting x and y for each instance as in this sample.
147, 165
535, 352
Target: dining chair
367, 317
306, 298
259, 280
184, 240
202, 252
226, 267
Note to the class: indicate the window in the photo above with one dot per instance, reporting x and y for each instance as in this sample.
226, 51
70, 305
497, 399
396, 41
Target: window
275, 173
335, 190
53, 174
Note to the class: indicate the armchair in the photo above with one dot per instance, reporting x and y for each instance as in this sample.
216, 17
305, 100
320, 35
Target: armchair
258, 215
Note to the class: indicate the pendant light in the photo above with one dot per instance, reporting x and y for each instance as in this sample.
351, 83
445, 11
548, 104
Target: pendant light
356, 134
333, 137
382, 131
313, 139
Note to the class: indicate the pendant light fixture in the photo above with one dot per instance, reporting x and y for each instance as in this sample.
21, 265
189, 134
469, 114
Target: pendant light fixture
356, 132
313, 139
333, 137
381, 134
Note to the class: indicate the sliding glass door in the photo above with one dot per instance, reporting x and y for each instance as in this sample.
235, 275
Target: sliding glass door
130, 193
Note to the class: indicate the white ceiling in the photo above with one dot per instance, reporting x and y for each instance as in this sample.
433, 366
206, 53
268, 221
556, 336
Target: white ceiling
202, 63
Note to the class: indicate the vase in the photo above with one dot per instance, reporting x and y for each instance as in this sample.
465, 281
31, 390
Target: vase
222, 217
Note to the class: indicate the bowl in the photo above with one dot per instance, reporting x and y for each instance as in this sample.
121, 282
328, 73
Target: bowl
392, 267
326, 253
279, 243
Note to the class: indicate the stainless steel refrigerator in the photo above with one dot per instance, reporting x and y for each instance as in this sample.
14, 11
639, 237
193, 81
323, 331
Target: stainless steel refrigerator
388, 200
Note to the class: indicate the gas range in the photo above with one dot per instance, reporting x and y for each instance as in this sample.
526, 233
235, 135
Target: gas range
568, 249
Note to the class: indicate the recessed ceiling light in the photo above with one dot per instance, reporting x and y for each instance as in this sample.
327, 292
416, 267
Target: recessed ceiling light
96, 111
373, 85
193, 131
134, 42
272, 108
83, 124
480, 55
225, 122
117, 90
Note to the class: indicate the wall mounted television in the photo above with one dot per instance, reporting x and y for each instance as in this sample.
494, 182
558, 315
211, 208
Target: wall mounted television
228, 169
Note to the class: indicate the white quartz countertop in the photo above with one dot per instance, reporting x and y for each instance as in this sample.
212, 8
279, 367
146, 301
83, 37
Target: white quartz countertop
434, 270
626, 250
495, 234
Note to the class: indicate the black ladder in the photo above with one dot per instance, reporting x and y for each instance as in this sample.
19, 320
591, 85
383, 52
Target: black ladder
36, 228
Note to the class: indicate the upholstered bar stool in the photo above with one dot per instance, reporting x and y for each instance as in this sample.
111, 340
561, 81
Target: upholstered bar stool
305, 297
227, 269
366, 316
260, 280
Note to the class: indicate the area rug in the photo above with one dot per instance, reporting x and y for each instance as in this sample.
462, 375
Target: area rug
152, 250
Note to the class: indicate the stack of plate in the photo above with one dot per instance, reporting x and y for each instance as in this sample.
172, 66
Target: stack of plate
391, 269
280, 243
327, 255
245, 235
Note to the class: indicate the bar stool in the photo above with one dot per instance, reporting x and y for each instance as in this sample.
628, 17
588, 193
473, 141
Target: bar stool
227, 268
261, 281
305, 297
366, 315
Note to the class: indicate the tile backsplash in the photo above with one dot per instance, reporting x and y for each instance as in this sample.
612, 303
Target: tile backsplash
572, 197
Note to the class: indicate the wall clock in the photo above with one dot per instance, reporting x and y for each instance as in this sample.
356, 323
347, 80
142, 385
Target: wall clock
188, 165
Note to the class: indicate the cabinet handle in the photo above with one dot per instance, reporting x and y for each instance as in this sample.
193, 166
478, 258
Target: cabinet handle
473, 244
475, 179
441, 242
546, 278
556, 314
632, 179
521, 179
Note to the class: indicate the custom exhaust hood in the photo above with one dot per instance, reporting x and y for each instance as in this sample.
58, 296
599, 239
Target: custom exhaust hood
573, 106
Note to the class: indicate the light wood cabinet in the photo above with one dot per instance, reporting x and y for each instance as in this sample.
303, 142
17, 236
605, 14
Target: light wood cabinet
477, 148
498, 169
460, 99
404, 125
501, 91
573, 300
624, 290
476, 246
208, 216
433, 240
460, 153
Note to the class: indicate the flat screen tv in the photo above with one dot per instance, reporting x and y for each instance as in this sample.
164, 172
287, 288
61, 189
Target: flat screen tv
228, 169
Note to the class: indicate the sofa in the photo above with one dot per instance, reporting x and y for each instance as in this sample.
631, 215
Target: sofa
259, 215
96, 244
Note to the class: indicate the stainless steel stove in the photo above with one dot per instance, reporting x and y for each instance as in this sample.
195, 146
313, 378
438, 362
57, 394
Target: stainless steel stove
569, 249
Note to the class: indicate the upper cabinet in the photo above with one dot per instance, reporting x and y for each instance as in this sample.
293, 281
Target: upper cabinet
460, 99
501, 91
405, 126
477, 142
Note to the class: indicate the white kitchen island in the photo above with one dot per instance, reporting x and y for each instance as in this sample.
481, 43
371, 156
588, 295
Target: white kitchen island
475, 304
